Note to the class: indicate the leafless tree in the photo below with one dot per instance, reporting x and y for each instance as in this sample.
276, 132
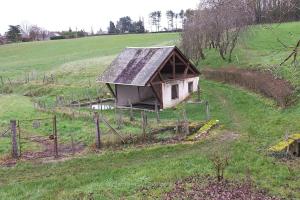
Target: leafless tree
216, 24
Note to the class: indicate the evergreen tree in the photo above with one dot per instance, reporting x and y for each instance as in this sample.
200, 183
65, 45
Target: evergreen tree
14, 33
112, 28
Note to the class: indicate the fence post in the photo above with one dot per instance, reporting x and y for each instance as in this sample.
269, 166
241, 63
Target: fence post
198, 92
19, 133
186, 123
143, 124
14, 152
207, 110
55, 137
131, 110
98, 131
157, 112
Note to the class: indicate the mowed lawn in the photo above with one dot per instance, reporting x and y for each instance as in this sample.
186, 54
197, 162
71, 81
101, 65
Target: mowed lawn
255, 122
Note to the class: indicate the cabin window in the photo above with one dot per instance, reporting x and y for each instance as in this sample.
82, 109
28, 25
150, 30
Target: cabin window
175, 91
191, 87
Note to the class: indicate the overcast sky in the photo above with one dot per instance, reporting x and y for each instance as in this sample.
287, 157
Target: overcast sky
57, 15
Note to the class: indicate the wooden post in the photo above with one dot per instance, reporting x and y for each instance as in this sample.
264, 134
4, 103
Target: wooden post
119, 119
131, 111
143, 124
98, 131
55, 137
207, 110
198, 93
116, 110
14, 143
2, 82
157, 112
19, 133
72, 143
186, 123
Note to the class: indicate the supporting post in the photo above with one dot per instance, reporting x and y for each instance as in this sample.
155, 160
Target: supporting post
111, 90
207, 110
14, 143
55, 137
98, 131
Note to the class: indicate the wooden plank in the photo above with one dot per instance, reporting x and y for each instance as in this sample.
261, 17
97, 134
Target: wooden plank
111, 90
157, 96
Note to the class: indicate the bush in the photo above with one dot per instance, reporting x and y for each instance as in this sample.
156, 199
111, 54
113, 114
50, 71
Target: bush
257, 81
61, 37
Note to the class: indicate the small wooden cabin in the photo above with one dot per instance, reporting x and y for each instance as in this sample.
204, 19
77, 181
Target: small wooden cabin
145, 77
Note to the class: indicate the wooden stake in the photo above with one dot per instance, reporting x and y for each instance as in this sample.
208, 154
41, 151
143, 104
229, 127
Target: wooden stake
19, 133
55, 137
98, 131
198, 93
14, 143
207, 110
157, 112
143, 124
131, 111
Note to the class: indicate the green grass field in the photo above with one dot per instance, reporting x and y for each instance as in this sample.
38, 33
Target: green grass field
256, 122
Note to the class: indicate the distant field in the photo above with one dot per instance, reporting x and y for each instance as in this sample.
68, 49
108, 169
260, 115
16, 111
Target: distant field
17, 59
249, 122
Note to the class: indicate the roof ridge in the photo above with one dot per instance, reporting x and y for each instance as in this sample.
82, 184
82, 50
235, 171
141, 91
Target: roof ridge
152, 47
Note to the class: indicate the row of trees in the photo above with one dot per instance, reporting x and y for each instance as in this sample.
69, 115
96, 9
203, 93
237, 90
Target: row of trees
126, 25
276, 10
18, 33
218, 23
172, 19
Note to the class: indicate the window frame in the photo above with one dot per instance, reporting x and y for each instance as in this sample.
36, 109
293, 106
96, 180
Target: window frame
190, 87
174, 97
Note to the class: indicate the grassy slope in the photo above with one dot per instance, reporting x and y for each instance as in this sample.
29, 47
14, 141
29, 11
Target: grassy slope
257, 121
114, 175
259, 48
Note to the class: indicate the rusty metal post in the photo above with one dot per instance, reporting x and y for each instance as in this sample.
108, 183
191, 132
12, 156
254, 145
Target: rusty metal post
14, 143
55, 137
98, 131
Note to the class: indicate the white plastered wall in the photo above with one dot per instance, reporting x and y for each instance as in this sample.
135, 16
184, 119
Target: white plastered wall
183, 91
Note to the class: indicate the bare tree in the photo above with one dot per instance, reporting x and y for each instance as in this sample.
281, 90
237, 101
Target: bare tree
216, 24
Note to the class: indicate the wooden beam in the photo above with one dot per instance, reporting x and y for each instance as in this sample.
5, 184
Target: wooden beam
160, 67
160, 76
157, 96
186, 63
174, 66
186, 70
111, 90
